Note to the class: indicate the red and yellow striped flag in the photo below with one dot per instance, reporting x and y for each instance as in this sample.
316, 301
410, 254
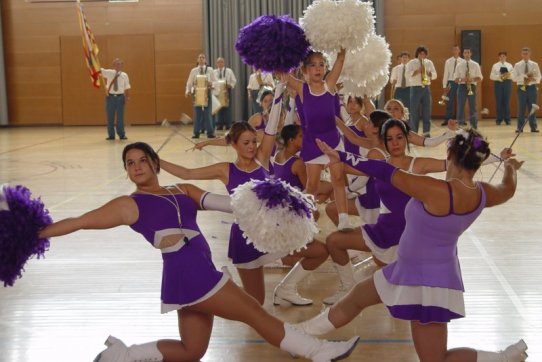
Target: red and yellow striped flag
90, 47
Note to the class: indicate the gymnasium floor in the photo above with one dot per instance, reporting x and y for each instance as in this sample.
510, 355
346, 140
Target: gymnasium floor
95, 283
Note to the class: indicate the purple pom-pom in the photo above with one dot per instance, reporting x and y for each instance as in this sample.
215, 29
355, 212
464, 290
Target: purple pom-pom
19, 228
278, 193
272, 43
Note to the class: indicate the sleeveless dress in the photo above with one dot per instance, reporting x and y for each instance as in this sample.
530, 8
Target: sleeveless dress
242, 254
283, 171
188, 274
425, 283
368, 203
383, 237
319, 112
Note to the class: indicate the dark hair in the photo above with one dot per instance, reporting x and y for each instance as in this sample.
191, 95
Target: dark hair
469, 149
358, 100
289, 132
420, 49
147, 150
378, 117
236, 130
404, 52
467, 48
265, 93
390, 123
312, 53
503, 52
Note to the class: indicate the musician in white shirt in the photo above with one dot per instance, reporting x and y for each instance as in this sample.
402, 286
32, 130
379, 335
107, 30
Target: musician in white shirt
399, 80
501, 77
421, 71
526, 74
449, 84
118, 93
467, 75
223, 118
202, 114
256, 82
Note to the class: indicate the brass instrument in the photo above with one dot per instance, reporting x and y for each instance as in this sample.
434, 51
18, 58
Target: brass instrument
467, 81
201, 91
505, 74
221, 91
444, 97
525, 81
425, 79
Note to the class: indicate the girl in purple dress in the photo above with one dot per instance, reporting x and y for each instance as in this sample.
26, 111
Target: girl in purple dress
316, 100
424, 284
253, 163
191, 285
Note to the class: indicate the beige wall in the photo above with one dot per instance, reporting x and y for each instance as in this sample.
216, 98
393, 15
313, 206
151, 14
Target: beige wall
437, 24
32, 39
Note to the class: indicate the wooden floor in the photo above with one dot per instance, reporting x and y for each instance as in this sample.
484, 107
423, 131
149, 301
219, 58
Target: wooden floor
95, 283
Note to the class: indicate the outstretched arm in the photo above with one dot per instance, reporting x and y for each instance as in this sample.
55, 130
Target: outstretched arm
119, 211
218, 171
207, 200
352, 136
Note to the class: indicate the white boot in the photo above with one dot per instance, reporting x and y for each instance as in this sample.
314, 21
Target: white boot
344, 223
316, 326
118, 352
286, 290
299, 344
346, 278
514, 353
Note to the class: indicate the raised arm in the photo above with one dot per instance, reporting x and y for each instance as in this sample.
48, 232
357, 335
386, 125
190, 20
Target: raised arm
499, 194
335, 73
119, 211
218, 171
268, 142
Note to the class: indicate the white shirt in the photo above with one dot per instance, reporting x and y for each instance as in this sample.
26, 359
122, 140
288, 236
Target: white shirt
227, 74
496, 70
449, 69
397, 76
267, 79
415, 64
123, 82
518, 73
208, 71
474, 71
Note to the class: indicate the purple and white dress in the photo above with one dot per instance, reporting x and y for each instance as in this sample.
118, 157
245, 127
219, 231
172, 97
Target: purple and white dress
283, 171
242, 254
383, 237
188, 274
368, 202
425, 283
319, 112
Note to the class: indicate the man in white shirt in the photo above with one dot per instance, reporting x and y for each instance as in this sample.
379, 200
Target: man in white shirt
202, 113
223, 74
118, 93
256, 82
526, 74
399, 80
421, 71
466, 75
501, 76
449, 84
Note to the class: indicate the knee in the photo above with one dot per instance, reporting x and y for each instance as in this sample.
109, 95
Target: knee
333, 241
331, 209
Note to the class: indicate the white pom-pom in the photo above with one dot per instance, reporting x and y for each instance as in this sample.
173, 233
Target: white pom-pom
370, 89
279, 228
332, 25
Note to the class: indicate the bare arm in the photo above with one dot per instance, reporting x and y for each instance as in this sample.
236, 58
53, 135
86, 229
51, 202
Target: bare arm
352, 136
120, 211
335, 73
425, 165
218, 171
368, 106
212, 142
300, 170
499, 194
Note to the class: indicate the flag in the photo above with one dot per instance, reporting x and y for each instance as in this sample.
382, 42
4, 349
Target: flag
90, 47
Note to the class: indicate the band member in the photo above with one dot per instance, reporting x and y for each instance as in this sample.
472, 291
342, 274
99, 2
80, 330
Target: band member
450, 86
421, 71
501, 75
399, 80
256, 82
466, 75
225, 82
199, 85
526, 74
118, 93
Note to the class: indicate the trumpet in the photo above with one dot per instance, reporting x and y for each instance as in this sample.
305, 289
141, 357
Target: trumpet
526, 81
444, 97
425, 79
467, 81
504, 76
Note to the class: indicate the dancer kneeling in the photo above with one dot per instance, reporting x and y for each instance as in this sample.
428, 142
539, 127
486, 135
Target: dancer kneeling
166, 217
438, 213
